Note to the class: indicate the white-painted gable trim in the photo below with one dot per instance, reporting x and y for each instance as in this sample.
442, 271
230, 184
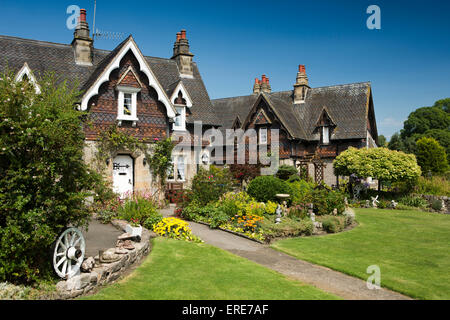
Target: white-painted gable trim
153, 82
25, 70
186, 95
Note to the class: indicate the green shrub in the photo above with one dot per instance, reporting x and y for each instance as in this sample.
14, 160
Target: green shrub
437, 186
210, 185
417, 202
333, 224
139, 208
436, 205
43, 179
326, 200
294, 178
301, 190
431, 156
265, 188
287, 227
217, 218
285, 172
297, 212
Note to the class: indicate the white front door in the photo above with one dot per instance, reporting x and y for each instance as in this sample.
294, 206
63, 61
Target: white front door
123, 175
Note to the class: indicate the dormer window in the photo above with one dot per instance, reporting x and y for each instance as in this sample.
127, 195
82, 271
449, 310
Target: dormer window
127, 104
181, 100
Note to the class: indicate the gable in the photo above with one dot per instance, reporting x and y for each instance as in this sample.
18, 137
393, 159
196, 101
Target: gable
129, 78
114, 63
181, 96
261, 118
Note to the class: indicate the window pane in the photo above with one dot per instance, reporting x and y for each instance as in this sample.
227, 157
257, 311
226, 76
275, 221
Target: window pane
127, 104
325, 135
263, 135
180, 168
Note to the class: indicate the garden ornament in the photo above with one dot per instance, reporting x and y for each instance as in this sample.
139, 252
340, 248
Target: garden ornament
394, 204
278, 212
375, 201
68, 254
335, 212
367, 204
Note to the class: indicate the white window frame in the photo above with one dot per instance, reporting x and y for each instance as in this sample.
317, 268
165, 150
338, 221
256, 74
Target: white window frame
181, 116
325, 135
261, 131
120, 110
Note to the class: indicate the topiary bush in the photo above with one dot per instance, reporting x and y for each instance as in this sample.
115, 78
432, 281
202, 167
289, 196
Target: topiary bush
43, 179
265, 188
285, 172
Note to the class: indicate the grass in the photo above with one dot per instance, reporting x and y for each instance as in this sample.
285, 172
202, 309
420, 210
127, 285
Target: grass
411, 248
183, 270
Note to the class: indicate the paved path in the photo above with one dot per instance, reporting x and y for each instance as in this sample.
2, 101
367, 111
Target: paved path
100, 237
323, 278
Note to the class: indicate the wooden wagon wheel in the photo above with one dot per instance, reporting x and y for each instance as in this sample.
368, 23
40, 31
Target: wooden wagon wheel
69, 253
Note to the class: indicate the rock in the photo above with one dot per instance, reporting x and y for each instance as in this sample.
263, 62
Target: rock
121, 251
125, 236
88, 264
125, 244
110, 256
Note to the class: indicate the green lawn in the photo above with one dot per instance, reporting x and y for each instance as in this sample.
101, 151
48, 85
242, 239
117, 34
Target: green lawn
183, 270
412, 249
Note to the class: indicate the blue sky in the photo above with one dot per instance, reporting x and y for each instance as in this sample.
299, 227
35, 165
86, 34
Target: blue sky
407, 61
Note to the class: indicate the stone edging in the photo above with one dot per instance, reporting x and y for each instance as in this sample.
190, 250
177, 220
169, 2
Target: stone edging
104, 273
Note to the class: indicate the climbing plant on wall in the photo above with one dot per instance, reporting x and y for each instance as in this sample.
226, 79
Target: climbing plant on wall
112, 141
160, 162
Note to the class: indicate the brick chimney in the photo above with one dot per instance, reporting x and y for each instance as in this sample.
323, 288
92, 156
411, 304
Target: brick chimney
82, 42
182, 55
301, 86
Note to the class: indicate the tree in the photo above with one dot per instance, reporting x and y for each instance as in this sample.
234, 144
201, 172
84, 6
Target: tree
444, 104
431, 156
432, 122
396, 142
44, 181
380, 163
424, 119
382, 141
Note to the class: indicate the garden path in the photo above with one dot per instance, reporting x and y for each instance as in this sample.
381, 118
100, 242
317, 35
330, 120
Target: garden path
323, 278
100, 237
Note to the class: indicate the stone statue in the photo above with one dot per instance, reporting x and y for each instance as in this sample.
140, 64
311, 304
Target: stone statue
374, 202
394, 204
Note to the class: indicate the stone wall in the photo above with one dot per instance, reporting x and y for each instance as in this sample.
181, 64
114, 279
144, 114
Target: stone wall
444, 199
104, 273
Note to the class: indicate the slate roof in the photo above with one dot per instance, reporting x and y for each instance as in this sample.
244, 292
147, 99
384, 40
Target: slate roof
43, 56
346, 105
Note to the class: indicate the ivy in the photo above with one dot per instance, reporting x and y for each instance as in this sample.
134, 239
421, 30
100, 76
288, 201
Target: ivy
160, 162
113, 141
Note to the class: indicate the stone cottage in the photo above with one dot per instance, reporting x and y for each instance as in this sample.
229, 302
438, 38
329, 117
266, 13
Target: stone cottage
154, 98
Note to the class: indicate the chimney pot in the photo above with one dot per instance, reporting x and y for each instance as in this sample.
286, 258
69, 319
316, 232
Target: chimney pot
183, 34
301, 68
83, 15
178, 36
